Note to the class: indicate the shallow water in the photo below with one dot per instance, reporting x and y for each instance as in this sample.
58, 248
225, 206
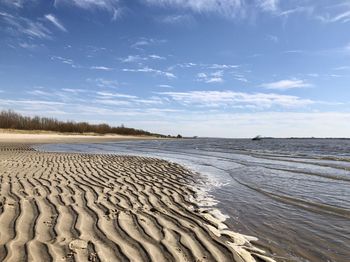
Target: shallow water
293, 194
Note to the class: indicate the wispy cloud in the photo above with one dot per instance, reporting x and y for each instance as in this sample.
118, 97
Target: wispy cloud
286, 84
13, 3
177, 19
273, 38
22, 26
38, 92
55, 22
221, 66
151, 70
240, 77
63, 60
74, 91
268, 5
119, 99
215, 77
28, 46
165, 86
104, 83
342, 68
143, 42
118, 95
342, 17
236, 99
30, 102
138, 58
111, 6
101, 68
205, 66
228, 8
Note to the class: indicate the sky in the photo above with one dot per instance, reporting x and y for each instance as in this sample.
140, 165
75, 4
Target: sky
215, 68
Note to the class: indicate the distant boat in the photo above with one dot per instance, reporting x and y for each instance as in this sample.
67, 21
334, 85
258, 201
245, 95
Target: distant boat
257, 138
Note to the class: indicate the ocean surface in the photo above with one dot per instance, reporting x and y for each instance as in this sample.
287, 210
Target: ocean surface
293, 194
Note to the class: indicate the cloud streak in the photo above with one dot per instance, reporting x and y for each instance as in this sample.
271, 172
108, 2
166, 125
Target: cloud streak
286, 84
222, 99
216, 77
55, 22
150, 70
22, 26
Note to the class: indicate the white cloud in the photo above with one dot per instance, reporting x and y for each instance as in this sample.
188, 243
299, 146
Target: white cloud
65, 61
105, 83
133, 58
286, 84
109, 5
236, 99
268, 5
342, 17
165, 86
112, 102
102, 68
228, 8
222, 66
143, 42
28, 46
240, 77
118, 95
342, 68
24, 26
118, 99
138, 58
29, 102
308, 10
37, 92
215, 77
73, 91
176, 19
151, 70
55, 22
13, 3
156, 57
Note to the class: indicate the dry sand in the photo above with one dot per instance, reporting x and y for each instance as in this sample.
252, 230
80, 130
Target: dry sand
85, 207
15, 137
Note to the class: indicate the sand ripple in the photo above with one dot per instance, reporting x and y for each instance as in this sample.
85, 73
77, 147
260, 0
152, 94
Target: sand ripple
84, 207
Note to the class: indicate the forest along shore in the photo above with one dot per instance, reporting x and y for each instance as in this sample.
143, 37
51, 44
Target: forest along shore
107, 208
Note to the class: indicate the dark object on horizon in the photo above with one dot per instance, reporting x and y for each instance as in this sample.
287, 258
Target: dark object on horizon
179, 136
257, 138
12, 120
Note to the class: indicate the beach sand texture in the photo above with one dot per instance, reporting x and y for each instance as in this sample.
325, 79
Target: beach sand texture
85, 207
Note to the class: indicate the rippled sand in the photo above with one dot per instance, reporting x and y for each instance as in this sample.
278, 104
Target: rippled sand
85, 207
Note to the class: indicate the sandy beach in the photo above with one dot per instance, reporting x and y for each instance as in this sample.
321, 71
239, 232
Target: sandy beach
85, 207
25, 137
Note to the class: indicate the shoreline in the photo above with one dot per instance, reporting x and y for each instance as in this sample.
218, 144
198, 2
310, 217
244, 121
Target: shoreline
88, 206
19, 137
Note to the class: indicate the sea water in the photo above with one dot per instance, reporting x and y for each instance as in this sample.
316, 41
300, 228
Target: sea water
293, 194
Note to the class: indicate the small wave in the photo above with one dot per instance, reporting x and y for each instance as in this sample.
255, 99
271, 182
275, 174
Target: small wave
311, 206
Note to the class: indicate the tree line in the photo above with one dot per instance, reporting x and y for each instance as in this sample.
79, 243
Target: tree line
12, 120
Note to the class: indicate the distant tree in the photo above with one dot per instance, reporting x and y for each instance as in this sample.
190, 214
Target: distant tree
12, 120
179, 136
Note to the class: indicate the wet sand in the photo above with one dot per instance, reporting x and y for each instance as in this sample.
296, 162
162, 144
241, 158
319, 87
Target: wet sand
86, 207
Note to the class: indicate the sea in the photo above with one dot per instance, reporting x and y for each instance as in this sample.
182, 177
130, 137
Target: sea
292, 194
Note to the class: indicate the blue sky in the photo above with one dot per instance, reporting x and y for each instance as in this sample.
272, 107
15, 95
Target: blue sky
220, 68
